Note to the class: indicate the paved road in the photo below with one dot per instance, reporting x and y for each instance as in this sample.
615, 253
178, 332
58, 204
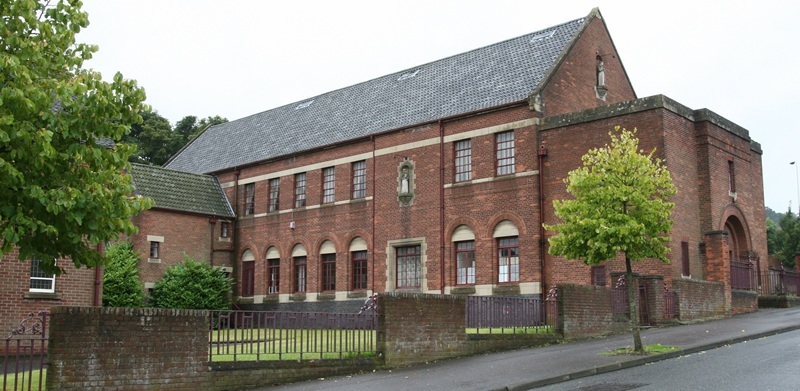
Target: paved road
769, 363
526, 368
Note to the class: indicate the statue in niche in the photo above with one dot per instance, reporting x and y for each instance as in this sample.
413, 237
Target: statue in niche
404, 181
406, 178
601, 74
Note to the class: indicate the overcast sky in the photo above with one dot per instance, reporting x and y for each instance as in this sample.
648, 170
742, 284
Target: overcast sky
237, 58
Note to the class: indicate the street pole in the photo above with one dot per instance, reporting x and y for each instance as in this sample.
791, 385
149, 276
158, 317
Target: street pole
797, 180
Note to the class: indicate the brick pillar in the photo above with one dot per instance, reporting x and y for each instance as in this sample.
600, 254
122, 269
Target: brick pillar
655, 297
718, 262
797, 262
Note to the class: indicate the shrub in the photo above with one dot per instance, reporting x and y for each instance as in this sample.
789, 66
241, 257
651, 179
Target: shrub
121, 286
193, 285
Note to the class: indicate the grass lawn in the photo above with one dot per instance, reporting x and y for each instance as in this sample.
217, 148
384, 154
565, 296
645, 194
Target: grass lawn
512, 330
290, 344
25, 380
648, 349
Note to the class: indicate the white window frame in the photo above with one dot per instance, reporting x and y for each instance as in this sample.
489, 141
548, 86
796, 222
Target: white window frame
52, 279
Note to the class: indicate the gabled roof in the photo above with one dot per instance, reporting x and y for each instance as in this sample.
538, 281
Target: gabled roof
487, 77
181, 191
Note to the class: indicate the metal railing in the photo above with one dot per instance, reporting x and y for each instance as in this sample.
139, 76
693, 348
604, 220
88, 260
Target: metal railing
779, 282
280, 335
24, 353
743, 275
489, 314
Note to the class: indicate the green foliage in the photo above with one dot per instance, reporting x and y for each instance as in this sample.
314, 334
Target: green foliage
619, 206
783, 240
157, 141
193, 285
121, 286
62, 189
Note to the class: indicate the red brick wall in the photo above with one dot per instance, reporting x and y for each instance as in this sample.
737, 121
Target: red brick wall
127, 348
699, 300
572, 87
585, 311
182, 232
73, 288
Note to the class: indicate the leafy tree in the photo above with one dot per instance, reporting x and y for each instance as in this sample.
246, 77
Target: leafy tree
63, 188
121, 286
154, 139
189, 127
193, 285
619, 207
785, 239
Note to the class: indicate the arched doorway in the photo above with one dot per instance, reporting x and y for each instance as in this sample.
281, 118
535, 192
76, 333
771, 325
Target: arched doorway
744, 262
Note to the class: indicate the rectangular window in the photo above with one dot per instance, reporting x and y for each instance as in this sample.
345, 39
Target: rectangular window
274, 193
224, 227
274, 270
328, 185
505, 153
408, 267
599, 275
731, 176
463, 160
359, 179
249, 198
155, 248
300, 190
508, 259
328, 272
248, 278
359, 259
300, 274
465, 262
40, 281
685, 270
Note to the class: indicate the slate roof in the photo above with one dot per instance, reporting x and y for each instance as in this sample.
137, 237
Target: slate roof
494, 75
181, 191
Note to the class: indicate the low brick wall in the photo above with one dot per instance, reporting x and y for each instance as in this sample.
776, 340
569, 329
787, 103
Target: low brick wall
743, 301
778, 301
414, 328
699, 300
585, 312
127, 349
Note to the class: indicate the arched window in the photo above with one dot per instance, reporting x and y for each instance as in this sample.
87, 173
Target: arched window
506, 235
358, 259
327, 254
248, 273
464, 245
273, 270
299, 257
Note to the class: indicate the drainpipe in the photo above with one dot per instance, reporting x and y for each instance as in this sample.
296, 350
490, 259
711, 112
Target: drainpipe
542, 154
441, 205
98, 279
213, 222
234, 227
374, 199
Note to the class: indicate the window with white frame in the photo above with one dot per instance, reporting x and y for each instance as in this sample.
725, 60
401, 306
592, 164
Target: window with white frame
41, 281
508, 259
274, 193
300, 190
465, 262
359, 179
463, 160
155, 249
409, 268
249, 198
328, 185
506, 159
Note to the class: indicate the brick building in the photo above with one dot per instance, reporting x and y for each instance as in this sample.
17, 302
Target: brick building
191, 216
438, 178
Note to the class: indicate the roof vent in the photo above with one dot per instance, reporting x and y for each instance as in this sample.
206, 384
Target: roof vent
408, 75
541, 36
304, 105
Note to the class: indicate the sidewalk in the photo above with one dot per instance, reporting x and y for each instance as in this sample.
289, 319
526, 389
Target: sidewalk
536, 367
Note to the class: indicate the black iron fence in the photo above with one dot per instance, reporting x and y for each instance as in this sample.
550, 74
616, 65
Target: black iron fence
280, 335
489, 314
24, 352
779, 282
743, 274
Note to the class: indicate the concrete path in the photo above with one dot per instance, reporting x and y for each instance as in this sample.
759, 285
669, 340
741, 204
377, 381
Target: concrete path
536, 367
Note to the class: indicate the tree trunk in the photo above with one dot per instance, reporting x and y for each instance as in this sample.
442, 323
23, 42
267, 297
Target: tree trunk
633, 313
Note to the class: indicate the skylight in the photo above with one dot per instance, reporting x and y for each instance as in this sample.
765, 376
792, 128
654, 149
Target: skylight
408, 75
543, 35
304, 105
